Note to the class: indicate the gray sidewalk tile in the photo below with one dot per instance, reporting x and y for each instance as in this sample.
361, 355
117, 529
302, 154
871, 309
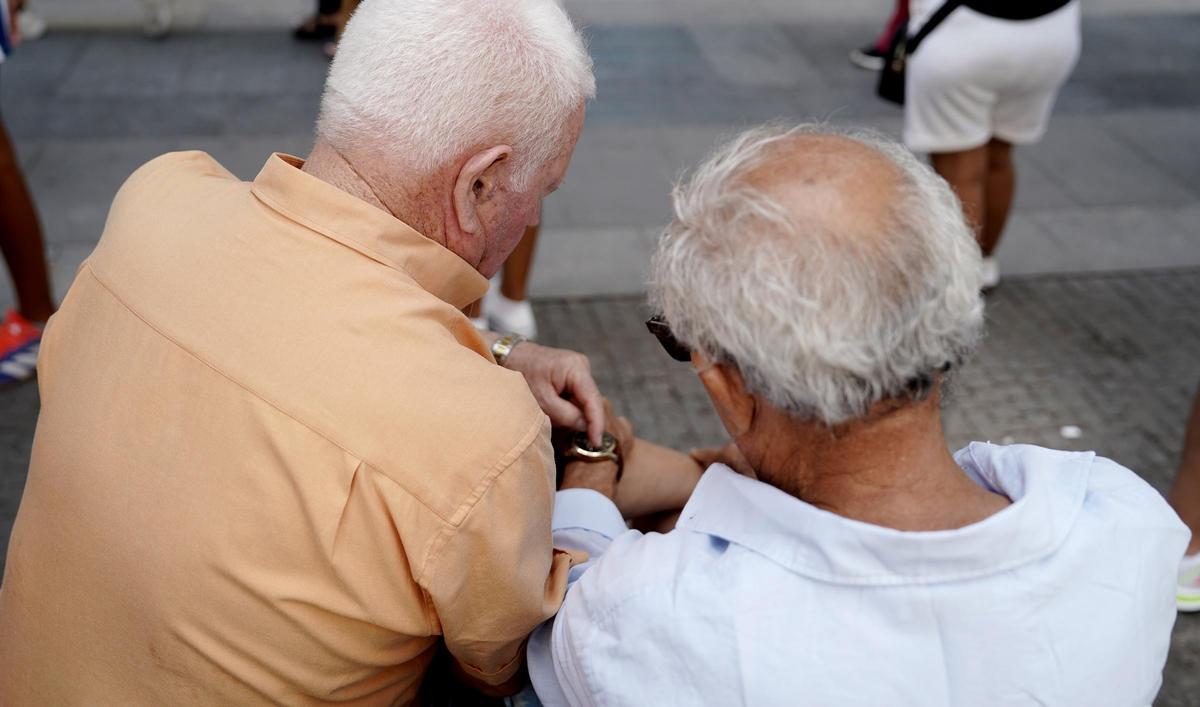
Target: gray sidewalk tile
28, 153
116, 117
562, 265
1108, 238
147, 69
1100, 170
1037, 189
619, 177
1028, 248
759, 56
1168, 139
270, 115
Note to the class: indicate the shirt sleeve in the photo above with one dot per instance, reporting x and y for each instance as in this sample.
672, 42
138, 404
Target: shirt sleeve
584, 521
497, 575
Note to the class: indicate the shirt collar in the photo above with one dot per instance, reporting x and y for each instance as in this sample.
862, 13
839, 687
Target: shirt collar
283, 186
1047, 489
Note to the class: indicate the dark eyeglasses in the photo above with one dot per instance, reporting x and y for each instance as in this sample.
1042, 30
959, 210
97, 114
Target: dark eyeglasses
662, 331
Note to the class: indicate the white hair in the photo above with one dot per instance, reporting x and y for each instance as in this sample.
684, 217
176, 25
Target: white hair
822, 324
423, 81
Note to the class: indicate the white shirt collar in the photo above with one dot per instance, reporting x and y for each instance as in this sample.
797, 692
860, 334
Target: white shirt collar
828, 547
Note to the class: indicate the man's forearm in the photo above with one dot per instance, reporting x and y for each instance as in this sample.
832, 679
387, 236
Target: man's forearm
656, 479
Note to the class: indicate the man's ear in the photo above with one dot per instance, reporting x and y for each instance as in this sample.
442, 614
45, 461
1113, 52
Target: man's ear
476, 185
725, 386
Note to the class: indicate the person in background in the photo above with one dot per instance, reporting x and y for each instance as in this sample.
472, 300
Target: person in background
823, 286
20, 243
872, 56
983, 81
322, 25
327, 24
1185, 498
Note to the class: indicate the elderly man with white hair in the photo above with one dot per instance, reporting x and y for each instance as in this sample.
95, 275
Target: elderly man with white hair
823, 285
275, 463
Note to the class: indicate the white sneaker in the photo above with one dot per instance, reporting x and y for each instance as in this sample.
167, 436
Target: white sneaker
1187, 584
991, 273
507, 315
32, 26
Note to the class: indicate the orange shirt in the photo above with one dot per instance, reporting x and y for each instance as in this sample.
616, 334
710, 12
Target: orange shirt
275, 463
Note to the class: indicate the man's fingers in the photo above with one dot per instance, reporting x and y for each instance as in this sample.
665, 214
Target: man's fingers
562, 413
593, 410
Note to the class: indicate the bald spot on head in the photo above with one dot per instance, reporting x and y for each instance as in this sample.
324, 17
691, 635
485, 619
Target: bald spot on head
830, 180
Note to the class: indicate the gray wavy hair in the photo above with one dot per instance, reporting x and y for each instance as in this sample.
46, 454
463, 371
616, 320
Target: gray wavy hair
821, 323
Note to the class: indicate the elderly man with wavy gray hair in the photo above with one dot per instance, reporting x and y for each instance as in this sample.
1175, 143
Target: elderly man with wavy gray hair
824, 285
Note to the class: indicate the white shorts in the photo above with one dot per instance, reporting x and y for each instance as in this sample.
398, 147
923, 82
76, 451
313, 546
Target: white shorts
975, 78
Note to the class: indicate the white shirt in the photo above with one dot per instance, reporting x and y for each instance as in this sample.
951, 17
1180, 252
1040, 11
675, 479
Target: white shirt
1065, 597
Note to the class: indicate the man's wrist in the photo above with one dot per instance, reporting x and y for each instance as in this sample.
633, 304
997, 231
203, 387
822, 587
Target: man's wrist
598, 476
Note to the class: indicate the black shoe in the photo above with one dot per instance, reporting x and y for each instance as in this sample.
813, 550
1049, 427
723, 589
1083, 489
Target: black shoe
868, 58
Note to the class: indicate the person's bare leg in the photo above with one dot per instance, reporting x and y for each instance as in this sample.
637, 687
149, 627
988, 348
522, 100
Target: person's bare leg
1185, 492
21, 238
999, 189
515, 283
966, 172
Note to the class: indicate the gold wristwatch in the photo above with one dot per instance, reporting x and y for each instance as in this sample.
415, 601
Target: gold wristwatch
503, 346
608, 451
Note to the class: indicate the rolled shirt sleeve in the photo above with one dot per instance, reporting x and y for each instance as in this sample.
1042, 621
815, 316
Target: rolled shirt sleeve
584, 521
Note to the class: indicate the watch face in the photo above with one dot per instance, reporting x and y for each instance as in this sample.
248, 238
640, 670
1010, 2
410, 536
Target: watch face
608, 444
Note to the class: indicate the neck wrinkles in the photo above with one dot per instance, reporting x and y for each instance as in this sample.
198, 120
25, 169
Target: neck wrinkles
331, 165
895, 471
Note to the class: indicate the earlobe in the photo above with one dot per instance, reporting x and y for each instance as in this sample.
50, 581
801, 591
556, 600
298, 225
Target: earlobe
476, 183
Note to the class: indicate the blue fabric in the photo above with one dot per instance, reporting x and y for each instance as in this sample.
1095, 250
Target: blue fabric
5, 35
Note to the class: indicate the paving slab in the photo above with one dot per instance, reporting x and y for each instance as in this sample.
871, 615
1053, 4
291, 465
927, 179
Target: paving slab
1099, 169
563, 257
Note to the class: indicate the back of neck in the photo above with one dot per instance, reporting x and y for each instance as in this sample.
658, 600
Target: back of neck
893, 470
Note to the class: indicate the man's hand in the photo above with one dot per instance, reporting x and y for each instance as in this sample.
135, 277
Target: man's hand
562, 384
621, 429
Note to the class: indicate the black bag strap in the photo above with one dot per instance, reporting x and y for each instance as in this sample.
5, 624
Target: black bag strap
935, 19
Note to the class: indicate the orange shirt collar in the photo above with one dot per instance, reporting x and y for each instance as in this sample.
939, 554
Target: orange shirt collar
322, 207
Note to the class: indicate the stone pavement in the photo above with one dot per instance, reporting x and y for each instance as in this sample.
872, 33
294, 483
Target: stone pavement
1115, 355
1115, 185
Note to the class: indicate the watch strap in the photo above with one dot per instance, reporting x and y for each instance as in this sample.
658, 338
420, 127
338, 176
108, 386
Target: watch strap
503, 347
